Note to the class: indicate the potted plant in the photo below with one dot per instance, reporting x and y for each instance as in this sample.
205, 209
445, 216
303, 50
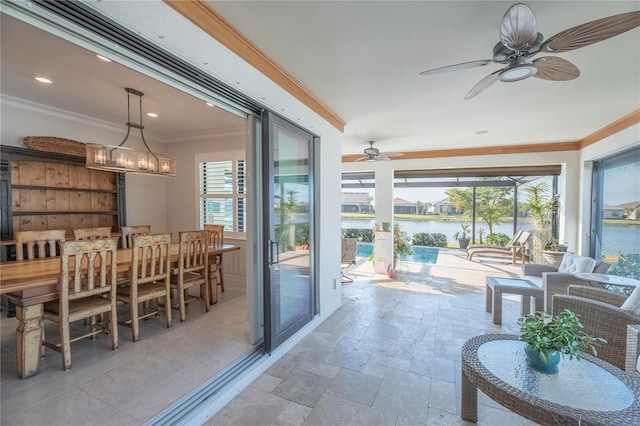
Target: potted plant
461, 236
547, 339
401, 246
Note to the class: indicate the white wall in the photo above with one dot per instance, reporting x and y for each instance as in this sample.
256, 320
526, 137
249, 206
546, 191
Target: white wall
182, 191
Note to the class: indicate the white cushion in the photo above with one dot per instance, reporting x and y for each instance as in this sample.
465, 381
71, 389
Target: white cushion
574, 264
632, 304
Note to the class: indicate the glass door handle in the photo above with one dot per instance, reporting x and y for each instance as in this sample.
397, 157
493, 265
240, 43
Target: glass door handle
274, 252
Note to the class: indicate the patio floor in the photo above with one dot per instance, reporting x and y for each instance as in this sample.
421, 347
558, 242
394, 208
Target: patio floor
390, 355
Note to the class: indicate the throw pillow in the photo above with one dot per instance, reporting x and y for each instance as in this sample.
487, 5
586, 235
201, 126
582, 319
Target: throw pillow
632, 304
574, 264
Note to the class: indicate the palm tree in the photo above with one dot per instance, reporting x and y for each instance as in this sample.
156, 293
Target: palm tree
541, 208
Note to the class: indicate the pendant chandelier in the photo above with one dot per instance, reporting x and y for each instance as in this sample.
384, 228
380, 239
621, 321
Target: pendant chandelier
121, 159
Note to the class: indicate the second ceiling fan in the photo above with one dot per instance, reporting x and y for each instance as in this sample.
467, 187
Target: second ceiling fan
520, 41
374, 154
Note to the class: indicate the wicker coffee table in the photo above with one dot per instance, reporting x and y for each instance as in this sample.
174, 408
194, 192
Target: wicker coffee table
496, 286
585, 392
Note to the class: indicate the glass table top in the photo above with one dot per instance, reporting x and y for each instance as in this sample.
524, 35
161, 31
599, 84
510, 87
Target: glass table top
513, 282
578, 384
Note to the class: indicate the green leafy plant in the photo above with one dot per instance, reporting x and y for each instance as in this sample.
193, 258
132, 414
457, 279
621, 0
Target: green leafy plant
435, 239
628, 265
401, 246
497, 238
562, 333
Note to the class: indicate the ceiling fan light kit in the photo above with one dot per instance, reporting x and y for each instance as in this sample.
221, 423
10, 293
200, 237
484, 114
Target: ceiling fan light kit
126, 160
519, 69
520, 41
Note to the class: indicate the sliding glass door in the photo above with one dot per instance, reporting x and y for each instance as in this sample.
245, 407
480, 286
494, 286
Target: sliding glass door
288, 219
615, 231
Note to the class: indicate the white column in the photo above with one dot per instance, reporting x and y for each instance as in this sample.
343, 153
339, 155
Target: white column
383, 244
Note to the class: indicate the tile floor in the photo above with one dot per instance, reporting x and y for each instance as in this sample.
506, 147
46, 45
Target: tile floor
390, 355
131, 385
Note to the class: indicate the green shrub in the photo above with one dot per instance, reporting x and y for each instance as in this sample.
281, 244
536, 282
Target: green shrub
302, 234
628, 266
497, 238
435, 239
365, 235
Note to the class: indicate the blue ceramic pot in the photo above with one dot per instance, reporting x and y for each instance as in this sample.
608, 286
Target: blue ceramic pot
534, 360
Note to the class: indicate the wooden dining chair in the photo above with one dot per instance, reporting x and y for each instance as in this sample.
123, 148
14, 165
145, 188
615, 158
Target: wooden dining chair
127, 233
150, 280
91, 233
36, 244
87, 289
192, 270
216, 277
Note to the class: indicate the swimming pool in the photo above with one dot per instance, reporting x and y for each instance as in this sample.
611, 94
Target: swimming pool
420, 254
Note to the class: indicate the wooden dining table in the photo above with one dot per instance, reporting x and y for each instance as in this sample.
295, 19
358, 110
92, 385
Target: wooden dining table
31, 283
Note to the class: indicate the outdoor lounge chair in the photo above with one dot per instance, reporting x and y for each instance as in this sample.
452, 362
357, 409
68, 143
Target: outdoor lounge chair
348, 256
520, 245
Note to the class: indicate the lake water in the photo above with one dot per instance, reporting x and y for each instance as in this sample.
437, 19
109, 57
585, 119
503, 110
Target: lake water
420, 254
616, 239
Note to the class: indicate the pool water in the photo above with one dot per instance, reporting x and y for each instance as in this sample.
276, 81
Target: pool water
420, 254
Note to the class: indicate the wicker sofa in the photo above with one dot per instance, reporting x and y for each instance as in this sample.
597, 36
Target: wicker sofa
553, 282
600, 313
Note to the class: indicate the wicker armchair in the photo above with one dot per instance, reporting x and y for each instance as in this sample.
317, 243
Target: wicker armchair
600, 313
554, 282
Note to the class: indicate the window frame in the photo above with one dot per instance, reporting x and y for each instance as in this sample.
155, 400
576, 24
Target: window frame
234, 157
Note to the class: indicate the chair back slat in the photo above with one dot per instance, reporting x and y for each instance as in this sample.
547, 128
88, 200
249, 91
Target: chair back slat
193, 250
94, 267
128, 232
42, 240
92, 233
216, 234
151, 257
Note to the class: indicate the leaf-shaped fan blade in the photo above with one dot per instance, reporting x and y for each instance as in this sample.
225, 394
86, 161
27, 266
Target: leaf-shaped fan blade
456, 67
519, 28
361, 158
591, 32
555, 69
382, 157
393, 154
482, 85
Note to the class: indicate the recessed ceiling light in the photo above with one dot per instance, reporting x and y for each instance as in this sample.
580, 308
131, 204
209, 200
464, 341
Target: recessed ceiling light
102, 58
43, 80
209, 104
152, 114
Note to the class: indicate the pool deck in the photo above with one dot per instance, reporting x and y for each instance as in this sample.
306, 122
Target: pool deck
452, 273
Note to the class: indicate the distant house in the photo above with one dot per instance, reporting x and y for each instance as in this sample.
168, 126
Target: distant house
630, 210
401, 206
612, 212
444, 207
356, 202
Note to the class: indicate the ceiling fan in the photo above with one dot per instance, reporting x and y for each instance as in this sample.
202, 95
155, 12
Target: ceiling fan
374, 154
520, 40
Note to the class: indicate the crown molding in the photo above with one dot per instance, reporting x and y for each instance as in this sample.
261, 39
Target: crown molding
217, 27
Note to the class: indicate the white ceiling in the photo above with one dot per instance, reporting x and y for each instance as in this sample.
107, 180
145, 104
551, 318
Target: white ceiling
85, 85
362, 59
